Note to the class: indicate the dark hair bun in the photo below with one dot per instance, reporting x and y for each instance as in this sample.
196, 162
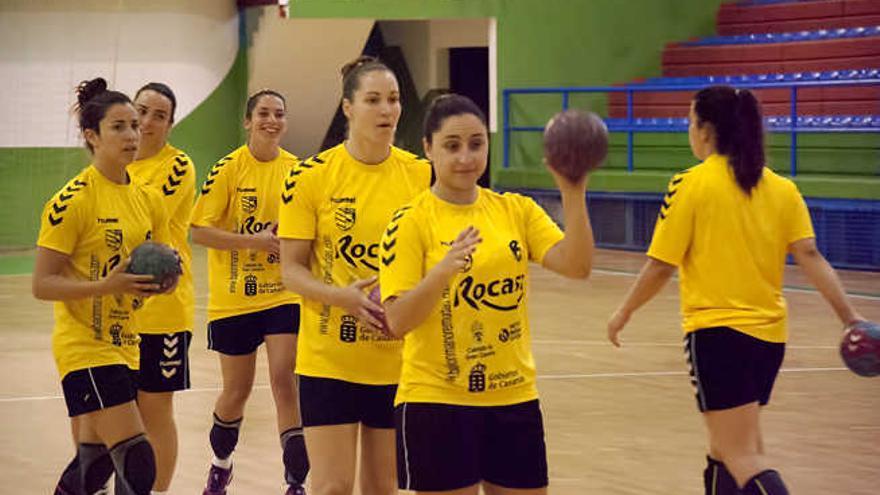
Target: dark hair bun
89, 89
356, 63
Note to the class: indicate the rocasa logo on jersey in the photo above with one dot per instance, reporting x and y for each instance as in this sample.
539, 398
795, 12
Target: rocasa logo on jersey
251, 225
357, 254
501, 294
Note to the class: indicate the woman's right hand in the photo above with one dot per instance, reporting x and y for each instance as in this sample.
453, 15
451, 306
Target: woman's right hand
118, 281
356, 302
266, 240
461, 251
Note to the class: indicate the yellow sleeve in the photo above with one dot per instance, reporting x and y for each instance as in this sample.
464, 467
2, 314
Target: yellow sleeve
298, 213
541, 232
675, 222
161, 231
60, 222
401, 254
799, 225
211, 206
179, 187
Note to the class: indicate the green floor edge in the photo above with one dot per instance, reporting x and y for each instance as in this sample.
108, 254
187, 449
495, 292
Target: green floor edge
16, 264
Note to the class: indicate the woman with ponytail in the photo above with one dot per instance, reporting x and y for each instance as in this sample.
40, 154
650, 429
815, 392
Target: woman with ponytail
334, 208
88, 229
726, 225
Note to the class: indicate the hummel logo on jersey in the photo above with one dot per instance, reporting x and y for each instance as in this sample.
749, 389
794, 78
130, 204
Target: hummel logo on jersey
107, 220
343, 200
515, 249
209, 181
667, 202
58, 206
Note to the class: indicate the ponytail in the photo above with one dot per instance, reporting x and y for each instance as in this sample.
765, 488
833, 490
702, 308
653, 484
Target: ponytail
735, 114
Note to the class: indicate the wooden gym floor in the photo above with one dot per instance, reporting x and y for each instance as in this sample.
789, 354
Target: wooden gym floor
619, 421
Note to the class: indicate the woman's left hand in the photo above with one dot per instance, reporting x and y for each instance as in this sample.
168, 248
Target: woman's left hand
615, 325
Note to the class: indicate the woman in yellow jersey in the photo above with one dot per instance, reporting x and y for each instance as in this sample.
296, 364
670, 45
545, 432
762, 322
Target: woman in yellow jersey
235, 217
165, 321
454, 279
726, 225
86, 234
334, 208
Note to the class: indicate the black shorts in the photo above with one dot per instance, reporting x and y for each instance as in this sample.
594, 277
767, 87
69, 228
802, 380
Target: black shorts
242, 334
91, 389
326, 401
729, 368
164, 362
447, 447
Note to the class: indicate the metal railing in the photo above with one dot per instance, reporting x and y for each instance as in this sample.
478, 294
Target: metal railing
631, 128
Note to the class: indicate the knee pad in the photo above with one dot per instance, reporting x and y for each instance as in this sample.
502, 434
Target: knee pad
296, 461
767, 482
70, 482
135, 466
224, 436
717, 480
95, 467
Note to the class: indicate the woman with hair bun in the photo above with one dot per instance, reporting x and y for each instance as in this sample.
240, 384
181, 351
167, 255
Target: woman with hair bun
335, 206
87, 231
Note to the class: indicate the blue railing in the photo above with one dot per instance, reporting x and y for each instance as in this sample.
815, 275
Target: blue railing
631, 125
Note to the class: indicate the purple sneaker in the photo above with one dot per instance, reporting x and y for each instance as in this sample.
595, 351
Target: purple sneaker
218, 480
295, 490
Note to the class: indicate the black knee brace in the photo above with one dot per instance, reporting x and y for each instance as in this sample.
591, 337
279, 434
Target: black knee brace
717, 479
767, 482
224, 436
135, 466
70, 482
95, 467
296, 461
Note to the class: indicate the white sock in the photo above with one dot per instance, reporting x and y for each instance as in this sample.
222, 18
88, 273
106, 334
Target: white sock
154, 492
222, 463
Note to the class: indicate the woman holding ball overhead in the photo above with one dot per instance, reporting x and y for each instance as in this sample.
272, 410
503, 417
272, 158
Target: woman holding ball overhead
454, 279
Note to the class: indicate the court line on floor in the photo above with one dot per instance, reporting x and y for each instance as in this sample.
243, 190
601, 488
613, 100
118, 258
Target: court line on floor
787, 288
602, 343
624, 273
570, 376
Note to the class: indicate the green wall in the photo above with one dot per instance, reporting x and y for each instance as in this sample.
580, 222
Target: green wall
30, 176
552, 43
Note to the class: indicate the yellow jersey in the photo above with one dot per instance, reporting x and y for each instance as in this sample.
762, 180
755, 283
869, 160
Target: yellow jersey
730, 247
241, 194
97, 223
343, 206
474, 348
172, 174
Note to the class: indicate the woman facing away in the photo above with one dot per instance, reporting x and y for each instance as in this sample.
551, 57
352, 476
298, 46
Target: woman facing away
726, 226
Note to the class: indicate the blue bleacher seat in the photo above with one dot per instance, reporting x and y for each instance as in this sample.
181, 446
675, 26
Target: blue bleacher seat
835, 75
817, 35
673, 124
